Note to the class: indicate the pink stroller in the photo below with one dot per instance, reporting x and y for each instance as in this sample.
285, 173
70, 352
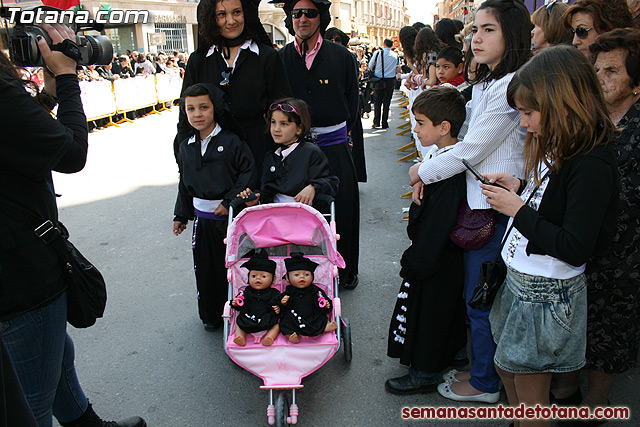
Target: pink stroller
281, 229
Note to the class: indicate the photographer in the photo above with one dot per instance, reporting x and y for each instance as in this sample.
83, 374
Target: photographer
33, 299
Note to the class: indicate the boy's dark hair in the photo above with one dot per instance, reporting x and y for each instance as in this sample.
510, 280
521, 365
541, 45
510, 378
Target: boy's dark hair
302, 118
442, 103
451, 54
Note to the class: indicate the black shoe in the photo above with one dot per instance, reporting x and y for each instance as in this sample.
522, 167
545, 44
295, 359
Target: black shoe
350, 284
574, 400
212, 326
91, 419
375, 126
405, 385
385, 126
129, 422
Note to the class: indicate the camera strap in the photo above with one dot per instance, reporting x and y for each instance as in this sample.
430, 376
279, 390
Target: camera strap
69, 48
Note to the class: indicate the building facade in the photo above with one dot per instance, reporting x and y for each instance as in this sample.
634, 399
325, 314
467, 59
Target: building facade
380, 19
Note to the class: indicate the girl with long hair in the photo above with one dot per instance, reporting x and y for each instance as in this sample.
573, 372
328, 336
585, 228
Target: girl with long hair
538, 319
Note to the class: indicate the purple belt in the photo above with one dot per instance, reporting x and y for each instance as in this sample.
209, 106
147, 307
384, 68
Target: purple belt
332, 138
210, 215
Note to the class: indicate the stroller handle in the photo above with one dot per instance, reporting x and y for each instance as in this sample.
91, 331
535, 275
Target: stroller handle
239, 201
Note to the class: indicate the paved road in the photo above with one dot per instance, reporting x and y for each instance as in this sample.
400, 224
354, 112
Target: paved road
150, 355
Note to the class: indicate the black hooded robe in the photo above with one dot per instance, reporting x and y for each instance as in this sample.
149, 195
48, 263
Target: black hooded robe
330, 88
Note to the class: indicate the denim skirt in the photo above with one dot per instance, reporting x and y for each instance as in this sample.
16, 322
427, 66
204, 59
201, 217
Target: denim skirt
540, 324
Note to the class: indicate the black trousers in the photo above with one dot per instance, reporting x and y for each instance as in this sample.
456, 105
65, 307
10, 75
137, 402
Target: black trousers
208, 263
383, 101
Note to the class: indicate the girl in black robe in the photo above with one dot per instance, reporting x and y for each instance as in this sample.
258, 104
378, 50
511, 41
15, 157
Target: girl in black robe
298, 169
257, 303
305, 305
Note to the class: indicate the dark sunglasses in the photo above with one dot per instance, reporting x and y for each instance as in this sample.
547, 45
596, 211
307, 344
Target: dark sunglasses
309, 13
581, 32
284, 107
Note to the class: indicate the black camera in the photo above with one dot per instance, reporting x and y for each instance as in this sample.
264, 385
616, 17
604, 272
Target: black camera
23, 46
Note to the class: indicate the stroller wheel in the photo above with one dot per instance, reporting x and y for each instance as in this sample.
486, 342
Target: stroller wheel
282, 410
346, 338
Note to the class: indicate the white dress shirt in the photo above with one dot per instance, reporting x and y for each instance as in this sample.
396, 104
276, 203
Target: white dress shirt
491, 139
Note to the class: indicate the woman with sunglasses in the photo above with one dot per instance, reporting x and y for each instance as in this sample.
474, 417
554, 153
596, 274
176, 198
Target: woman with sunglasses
589, 18
235, 53
548, 28
298, 169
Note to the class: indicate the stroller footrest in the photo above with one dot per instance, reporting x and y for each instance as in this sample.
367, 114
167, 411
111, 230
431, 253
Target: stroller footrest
293, 411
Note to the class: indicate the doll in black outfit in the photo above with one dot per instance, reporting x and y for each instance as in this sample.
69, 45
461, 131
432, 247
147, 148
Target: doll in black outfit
305, 305
258, 302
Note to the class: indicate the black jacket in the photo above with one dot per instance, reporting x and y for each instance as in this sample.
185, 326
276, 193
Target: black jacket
226, 170
330, 87
577, 214
305, 165
32, 145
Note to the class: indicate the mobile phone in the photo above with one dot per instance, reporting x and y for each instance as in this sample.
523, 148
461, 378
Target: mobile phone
478, 175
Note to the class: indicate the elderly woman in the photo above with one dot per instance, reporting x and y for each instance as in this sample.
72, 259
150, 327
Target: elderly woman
589, 18
613, 316
548, 28
235, 53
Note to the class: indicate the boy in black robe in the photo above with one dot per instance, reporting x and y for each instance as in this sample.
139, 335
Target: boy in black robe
428, 323
305, 305
257, 303
215, 165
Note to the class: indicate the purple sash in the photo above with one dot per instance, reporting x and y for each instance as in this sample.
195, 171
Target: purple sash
210, 215
332, 138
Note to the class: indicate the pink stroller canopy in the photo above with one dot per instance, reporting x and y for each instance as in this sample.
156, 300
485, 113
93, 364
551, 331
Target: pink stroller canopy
278, 224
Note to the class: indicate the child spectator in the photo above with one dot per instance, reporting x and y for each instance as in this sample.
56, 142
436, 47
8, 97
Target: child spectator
297, 169
450, 66
539, 318
426, 50
427, 327
215, 165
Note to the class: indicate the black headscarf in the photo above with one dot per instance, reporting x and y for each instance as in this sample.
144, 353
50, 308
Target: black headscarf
252, 27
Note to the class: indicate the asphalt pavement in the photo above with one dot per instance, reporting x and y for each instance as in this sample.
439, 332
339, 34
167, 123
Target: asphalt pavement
150, 355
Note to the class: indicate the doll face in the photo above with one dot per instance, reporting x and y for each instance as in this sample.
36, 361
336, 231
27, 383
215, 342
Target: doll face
260, 279
300, 278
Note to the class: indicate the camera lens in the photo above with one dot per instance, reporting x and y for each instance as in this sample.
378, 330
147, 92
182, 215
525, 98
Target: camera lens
100, 50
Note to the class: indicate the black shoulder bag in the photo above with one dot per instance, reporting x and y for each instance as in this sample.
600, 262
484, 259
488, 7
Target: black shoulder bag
378, 82
493, 273
86, 288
